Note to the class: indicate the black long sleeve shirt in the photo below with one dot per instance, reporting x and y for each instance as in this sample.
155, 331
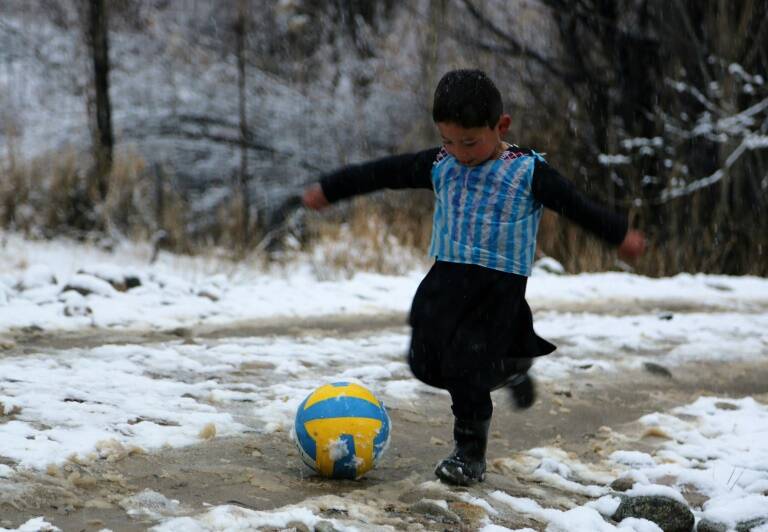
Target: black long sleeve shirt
413, 170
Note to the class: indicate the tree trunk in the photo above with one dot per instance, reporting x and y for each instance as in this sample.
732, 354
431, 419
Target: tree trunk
103, 137
240, 31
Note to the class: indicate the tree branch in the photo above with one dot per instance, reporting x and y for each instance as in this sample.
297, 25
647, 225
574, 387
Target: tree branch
515, 48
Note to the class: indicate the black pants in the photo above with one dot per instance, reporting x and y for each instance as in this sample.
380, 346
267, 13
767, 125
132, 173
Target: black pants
472, 330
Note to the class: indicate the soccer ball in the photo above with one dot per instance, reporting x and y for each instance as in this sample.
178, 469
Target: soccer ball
341, 430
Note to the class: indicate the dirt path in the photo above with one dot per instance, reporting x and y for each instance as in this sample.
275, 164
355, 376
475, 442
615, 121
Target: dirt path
33, 340
263, 471
29, 340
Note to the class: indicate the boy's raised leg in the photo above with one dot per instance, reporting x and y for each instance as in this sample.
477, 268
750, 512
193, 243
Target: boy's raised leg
523, 390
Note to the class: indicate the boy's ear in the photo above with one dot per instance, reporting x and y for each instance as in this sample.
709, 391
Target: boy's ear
504, 122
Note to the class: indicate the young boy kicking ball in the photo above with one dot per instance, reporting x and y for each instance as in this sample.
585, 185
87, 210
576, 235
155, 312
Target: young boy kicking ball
472, 329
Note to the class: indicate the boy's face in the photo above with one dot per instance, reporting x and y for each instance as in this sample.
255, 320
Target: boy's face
475, 145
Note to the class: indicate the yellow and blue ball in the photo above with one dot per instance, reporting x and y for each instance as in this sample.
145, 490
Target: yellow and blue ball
341, 430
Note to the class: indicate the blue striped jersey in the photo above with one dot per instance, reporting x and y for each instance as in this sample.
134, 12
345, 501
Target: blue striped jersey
486, 214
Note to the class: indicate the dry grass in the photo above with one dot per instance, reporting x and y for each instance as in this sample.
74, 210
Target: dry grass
50, 196
43, 194
575, 249
372, 234
386, 232
390, 234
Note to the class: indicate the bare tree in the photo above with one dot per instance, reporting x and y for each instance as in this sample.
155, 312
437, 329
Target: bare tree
97, 37
241, 30
669, 109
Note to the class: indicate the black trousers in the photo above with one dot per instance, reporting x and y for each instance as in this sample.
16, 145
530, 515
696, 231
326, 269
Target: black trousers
465, 317
472, 330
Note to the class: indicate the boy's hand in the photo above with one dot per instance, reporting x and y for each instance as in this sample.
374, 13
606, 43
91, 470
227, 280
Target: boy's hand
633, 245
314, 197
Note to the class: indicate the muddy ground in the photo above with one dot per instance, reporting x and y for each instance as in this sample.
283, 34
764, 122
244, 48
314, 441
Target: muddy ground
581, 414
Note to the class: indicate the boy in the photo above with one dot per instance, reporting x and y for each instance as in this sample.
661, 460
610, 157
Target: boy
472, 329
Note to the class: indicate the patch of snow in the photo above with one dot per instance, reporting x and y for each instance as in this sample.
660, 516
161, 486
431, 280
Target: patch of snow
36, 276
223, 518
717, 448
579, 519
38, 524
477, 501
606, 505
548, 265
656, 490
557, 474
488, 526
337, 449
638, 525
613, 160
151, 504
730, 508
81, 397
90, 285
632, 458
228, 517
756, 142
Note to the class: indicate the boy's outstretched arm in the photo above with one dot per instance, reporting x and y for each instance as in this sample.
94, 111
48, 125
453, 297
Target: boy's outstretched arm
559, 194
411, 170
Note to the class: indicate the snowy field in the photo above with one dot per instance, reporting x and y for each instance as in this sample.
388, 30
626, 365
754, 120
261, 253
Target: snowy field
99, 401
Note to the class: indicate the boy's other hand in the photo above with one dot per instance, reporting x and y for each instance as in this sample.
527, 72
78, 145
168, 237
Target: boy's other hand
633, 245
314, 197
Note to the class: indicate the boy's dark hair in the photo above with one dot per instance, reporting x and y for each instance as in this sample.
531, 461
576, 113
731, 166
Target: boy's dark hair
468, 98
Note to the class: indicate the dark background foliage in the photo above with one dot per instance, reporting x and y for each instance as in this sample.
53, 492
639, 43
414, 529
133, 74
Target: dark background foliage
207, 117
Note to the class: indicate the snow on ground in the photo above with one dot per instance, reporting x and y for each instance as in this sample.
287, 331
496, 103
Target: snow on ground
174, 292
720, 449
180, 291
96, 402
38, 524
714, 447
682, 337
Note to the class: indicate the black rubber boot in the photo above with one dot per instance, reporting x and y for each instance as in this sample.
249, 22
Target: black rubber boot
466, 464
523, 390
